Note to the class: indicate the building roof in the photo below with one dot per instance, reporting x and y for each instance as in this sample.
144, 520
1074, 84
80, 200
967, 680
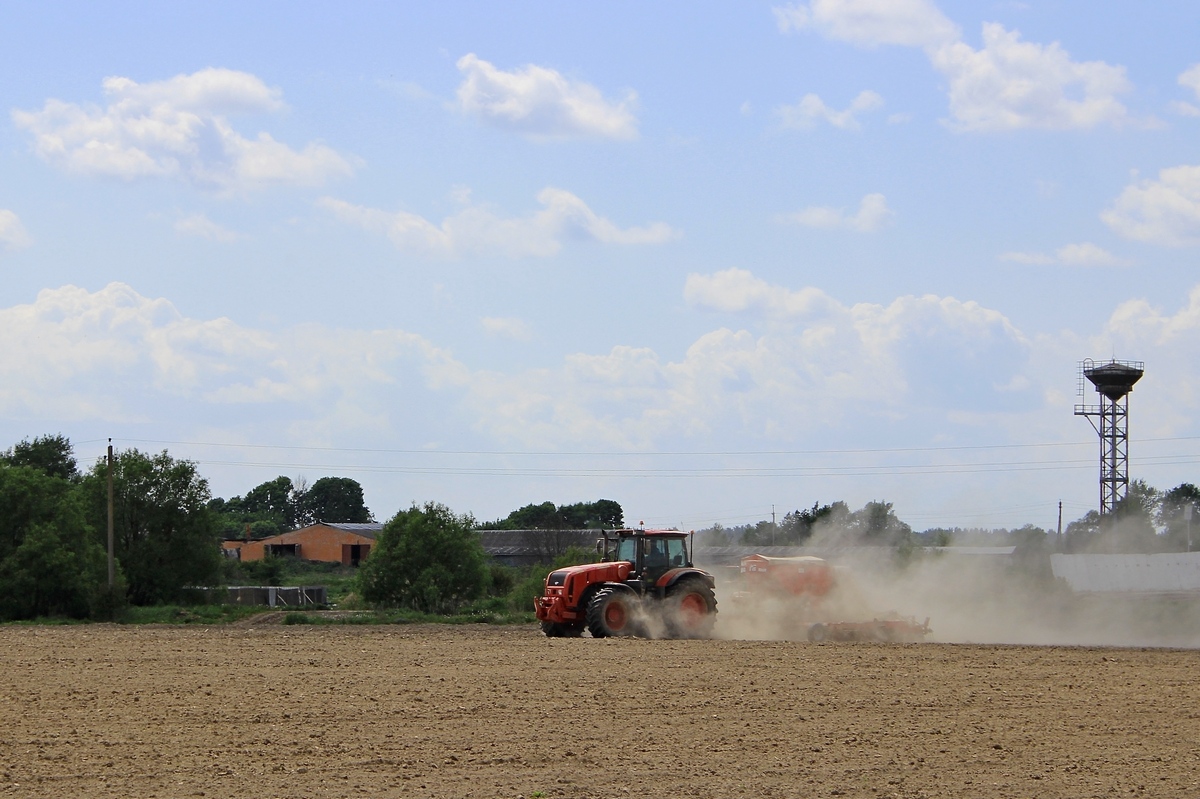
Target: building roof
363, 528
978, 551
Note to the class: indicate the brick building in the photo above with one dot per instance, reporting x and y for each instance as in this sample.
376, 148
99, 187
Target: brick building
346, 543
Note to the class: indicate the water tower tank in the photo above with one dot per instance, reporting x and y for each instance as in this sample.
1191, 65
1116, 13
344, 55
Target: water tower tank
1114, 379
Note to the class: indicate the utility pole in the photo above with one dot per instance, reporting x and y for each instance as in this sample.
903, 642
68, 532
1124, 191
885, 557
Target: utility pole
112, 569
1058, 538
772, 524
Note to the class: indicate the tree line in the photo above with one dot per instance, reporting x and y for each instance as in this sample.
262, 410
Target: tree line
874, 523
166, 527
603, 513
1147, 520
279, 505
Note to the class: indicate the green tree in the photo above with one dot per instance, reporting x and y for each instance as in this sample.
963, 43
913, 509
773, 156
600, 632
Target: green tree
715, 536
876, 523
1131, 527
50, 562
535, 517
799, 525
763, 534
604, 513
1083, 534
425, 558
53, 455
267, 509
334, 499
591, 515
165, 536
1032, 554
1182, 534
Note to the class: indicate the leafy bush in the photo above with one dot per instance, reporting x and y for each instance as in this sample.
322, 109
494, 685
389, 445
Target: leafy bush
428, 559
271, 570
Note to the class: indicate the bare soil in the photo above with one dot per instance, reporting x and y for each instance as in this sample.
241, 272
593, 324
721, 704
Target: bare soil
297, 711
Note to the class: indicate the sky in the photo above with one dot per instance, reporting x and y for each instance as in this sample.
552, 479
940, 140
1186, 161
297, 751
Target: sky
713, 261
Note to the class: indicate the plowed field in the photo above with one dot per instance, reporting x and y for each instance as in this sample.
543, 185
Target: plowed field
275, 711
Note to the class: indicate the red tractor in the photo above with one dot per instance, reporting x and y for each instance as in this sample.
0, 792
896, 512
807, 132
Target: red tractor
645, 585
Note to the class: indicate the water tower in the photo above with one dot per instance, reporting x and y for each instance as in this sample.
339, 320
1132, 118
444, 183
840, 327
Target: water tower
1113, 381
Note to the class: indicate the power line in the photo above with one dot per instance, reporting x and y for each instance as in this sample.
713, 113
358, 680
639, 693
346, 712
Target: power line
667, 453
583, 453
732, 472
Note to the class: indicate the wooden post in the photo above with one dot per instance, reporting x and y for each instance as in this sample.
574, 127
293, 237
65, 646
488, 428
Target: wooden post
112, 569
1058, 538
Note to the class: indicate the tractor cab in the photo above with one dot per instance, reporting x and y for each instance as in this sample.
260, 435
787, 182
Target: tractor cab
650, 553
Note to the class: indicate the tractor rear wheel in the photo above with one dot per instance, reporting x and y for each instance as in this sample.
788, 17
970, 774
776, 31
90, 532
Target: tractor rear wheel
555, 630
691, 609
611, 613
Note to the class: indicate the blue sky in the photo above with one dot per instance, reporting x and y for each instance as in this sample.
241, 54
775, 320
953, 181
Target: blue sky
703, 259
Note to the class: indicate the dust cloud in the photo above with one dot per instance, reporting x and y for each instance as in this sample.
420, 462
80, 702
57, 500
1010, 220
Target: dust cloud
967, 598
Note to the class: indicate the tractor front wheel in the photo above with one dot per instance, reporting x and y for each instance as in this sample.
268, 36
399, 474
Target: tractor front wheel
691, 609
611, 613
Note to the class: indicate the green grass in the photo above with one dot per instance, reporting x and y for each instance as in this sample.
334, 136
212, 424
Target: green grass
510, 598
186, 614
339, 580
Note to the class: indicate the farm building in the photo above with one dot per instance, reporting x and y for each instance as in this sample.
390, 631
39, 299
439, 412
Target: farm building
328, 542
1163, 573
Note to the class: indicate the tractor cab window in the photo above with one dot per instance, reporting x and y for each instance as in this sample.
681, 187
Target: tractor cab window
658, 560
627, 550
676, 553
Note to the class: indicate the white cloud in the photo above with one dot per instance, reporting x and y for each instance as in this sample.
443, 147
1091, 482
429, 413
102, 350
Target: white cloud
787, 365
1082, 254
738, 290
814, 363
13, 235
114, 354
1164, 211
477, 230
507, 327
1008, 84
873, 213
1012, 84
1088, 254
201, 226
178, 128
1141, 326
913, 23
1170, 341
1190, 79
1031, 258
542, 103
812, 109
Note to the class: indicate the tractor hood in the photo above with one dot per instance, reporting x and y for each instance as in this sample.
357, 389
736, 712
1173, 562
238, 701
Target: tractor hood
616, 572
